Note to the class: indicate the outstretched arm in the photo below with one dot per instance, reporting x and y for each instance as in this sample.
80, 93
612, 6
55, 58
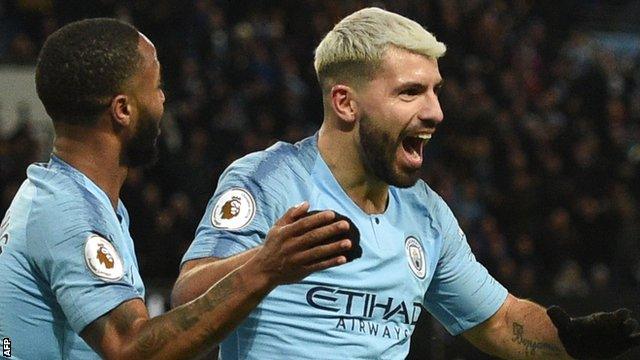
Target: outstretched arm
292, 250
196, 276
520, 329
524, 330
127, 332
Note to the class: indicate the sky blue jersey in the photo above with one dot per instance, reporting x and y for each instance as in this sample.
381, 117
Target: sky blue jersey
66, 258
414, 255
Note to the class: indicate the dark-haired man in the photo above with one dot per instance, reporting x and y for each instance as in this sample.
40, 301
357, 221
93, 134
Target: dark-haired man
70, 284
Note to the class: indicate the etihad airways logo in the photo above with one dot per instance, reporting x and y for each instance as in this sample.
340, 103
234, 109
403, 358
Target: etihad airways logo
366, 313
363, 305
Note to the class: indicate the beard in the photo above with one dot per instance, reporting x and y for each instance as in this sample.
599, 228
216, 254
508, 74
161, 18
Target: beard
142, 147
379, 154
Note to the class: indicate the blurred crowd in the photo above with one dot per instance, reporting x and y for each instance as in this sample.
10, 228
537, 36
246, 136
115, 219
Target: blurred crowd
538, 154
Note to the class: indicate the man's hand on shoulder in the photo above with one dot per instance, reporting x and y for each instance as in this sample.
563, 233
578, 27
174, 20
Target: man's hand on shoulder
300, 243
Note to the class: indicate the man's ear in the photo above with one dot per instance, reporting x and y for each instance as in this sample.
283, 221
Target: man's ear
121, 110
343, 103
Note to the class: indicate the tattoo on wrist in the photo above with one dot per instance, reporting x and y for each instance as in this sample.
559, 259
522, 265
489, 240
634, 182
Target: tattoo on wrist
531, 347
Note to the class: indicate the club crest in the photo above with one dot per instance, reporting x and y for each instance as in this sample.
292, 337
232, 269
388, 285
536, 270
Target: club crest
415, 257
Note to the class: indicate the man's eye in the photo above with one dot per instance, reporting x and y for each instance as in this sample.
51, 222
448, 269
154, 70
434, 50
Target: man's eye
410, 92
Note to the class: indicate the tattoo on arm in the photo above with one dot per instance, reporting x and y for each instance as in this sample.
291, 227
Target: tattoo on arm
186, 320
157, 336
186, 317
153, 340
149, 339
224, 289
531, 347
123, 318
119, 321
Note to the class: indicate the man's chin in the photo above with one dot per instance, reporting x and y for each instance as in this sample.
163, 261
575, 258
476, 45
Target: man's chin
403, 179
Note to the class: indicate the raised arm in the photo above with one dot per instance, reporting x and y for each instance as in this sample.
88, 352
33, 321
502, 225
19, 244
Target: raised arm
292, 250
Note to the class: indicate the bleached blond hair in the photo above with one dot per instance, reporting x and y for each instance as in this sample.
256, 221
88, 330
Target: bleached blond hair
354, 48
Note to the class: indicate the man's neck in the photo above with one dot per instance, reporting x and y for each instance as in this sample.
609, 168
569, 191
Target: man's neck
97, 157
346, 164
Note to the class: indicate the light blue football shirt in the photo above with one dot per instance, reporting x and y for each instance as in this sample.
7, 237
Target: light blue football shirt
414, 255
54, 280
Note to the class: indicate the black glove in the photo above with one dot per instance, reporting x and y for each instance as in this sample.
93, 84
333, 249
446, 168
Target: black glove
352, 234
600, 335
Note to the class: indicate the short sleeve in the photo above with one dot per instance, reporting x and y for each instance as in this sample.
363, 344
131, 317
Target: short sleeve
56, 240
238, 216
462, 293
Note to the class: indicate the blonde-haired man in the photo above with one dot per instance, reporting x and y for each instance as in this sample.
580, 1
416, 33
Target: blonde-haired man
380, 80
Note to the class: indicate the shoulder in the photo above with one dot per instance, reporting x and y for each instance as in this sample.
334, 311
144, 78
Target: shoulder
263, 184
275, 168
62, 207
281, 159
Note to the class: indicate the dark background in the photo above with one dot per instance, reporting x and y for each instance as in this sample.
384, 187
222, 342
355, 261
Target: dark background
538, 154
